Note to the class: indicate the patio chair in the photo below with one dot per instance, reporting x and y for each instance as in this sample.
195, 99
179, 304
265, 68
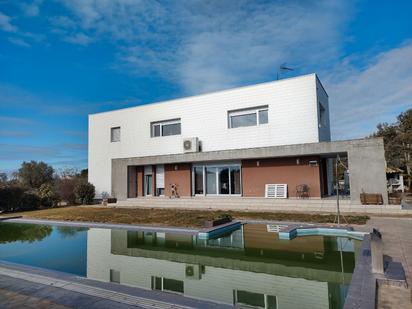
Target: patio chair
302, 191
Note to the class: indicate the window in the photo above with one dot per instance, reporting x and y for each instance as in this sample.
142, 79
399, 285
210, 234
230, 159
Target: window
166, 128
165, 284
255, 300
216, 179
263, 116
322, 118
115, 134
248, 117
198, 179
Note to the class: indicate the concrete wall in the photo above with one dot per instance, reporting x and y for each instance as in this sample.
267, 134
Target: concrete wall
293, 119
367, 169
365, 156
291, 171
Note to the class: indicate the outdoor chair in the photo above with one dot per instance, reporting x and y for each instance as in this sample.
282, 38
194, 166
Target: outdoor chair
302, 191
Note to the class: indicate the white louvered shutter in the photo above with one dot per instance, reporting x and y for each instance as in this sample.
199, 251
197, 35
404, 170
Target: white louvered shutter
276, 190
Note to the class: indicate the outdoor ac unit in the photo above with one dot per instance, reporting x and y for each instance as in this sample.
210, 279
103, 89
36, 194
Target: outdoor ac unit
193, 272
191, 144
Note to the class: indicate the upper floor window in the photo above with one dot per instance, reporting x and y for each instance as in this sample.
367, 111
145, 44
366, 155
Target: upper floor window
322, 115
248, 117
115, 134
166, 128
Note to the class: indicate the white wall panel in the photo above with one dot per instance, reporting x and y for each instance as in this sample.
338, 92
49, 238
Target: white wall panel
293, 119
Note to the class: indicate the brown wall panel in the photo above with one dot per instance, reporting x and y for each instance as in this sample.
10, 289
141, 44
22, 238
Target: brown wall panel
280, 170
140, 181
180, 176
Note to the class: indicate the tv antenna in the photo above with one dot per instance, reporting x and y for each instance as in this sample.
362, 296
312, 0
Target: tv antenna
283, 68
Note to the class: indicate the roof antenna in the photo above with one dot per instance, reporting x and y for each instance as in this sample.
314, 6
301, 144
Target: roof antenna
283, 68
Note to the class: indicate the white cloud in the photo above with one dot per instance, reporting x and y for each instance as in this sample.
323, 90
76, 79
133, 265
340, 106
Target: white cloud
79, 39
5, 23
361, 98
31, 9
19, 42
211, 45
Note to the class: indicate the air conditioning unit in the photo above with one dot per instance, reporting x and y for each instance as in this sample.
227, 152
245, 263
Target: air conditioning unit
191, 144
193, 272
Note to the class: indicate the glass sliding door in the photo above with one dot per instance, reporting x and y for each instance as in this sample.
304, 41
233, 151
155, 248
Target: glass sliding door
211, 180
149, 184
235, 180
224, 180
198, 179
216, 179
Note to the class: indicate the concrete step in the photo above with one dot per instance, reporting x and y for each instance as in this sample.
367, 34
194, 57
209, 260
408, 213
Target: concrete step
261, 204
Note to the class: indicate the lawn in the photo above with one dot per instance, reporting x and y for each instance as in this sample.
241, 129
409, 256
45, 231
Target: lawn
171, 217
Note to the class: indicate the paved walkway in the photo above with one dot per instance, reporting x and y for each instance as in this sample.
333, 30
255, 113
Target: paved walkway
18, 293
24, 286
397, 244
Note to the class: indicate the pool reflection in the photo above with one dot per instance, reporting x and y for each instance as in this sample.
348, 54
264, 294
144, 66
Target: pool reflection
250, 266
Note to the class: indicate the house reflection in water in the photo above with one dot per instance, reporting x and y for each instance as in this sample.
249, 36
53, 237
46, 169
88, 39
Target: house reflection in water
250, 266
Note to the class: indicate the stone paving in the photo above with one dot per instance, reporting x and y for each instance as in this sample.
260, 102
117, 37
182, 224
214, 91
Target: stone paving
397, 244
17, 293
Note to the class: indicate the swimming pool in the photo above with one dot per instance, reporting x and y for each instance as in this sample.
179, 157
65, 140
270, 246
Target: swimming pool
249, 266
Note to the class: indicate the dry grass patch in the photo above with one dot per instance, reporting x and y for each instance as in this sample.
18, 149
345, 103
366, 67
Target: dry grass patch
172, 217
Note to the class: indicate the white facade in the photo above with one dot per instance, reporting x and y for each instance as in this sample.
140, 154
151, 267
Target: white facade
294, 117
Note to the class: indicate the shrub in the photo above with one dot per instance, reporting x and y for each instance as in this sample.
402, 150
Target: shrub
29, 201
10, 198
84, 192
48, 195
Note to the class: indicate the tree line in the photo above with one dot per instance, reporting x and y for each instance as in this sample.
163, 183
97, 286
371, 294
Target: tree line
37, 185
397, 139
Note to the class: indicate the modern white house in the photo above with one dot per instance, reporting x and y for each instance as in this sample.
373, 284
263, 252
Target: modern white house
266, 140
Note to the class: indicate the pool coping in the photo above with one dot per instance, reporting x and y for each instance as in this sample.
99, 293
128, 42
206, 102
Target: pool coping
106, 290
362, 291
120, 226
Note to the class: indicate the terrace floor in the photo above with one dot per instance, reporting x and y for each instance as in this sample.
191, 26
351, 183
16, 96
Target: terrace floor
397, 243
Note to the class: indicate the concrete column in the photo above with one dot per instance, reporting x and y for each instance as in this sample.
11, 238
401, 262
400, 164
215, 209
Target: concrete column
119, 179
367, 169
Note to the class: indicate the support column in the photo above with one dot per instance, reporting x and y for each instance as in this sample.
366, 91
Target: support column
367, 169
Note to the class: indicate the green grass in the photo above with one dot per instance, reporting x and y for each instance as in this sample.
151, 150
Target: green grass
173, 217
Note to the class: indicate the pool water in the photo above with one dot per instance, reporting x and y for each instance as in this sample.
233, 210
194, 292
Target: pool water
250, 266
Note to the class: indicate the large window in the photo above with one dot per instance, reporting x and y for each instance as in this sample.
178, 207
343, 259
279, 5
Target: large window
216, 179
166, 128
322, 115
255, 300
248, 117
198, 179
165, 284
115, 134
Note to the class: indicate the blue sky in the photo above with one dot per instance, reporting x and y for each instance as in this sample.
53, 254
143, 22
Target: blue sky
63, 59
